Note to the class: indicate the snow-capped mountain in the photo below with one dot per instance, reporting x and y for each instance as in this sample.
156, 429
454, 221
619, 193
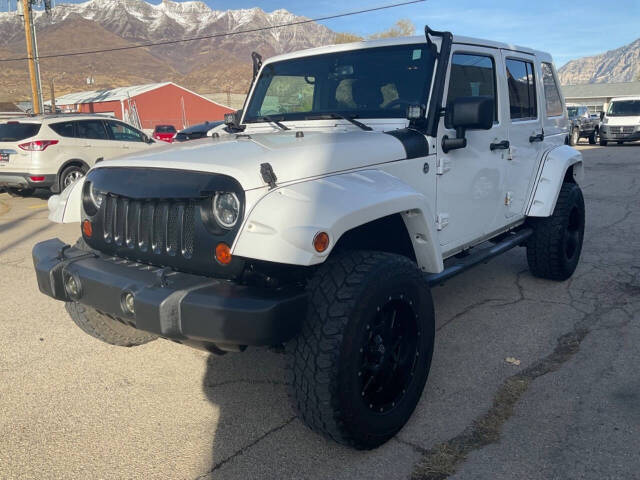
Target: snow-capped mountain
207, 65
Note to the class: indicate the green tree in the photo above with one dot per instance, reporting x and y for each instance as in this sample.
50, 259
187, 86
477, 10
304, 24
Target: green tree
347, 38
402, 28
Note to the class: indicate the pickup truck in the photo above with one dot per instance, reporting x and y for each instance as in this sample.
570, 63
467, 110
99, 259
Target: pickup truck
582, 125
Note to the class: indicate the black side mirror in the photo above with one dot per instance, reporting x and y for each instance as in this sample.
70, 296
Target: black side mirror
232, 120
601, 115
467, 113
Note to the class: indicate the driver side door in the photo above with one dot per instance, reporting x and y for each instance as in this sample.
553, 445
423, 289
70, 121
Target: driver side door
470, 180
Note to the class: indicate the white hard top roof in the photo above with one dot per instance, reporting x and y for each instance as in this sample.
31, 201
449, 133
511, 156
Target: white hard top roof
406, 41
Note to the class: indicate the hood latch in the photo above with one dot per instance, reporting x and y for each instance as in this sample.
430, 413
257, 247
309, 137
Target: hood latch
268, 175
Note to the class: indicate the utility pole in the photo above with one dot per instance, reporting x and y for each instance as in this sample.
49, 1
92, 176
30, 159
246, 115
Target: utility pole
36, 93
53, 96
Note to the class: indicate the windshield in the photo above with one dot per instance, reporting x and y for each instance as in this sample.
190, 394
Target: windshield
15, 131
624, 108
369, 83
572, 111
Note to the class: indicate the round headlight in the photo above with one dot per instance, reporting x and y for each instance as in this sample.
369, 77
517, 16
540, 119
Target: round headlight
226, 209
96, 196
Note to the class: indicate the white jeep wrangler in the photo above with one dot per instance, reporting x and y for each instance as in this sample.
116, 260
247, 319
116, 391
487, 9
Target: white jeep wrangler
357, 177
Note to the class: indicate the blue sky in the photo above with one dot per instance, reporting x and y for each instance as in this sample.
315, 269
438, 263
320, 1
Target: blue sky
565, 29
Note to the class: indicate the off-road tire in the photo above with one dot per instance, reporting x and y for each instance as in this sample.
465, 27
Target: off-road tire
348, 294
593, 138
603, 143
104, 327
574, 136
553, 251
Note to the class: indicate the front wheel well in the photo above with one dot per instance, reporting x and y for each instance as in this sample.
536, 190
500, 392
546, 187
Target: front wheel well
387, 234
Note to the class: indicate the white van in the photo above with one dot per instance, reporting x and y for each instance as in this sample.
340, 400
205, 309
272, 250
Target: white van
621, 122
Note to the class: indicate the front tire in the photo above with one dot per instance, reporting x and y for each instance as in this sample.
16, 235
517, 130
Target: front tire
593, 138
553, 251
603, 143
103, 327
362, 359
574, 137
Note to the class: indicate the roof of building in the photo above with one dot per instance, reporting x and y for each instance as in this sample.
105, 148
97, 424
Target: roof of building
600, 90
110, 95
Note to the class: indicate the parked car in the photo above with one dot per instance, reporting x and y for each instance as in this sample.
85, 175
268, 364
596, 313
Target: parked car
325, 222
621, 122
195, 132
165, 133
582, 124
53, 151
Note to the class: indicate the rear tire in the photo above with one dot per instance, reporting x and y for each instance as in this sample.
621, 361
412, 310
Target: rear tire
69, 175
362, 359
553, 251
603, 143
21, 192
593, 138
104, 327
619, 143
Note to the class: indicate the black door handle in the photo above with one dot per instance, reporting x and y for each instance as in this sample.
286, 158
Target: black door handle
536, 138
503, 145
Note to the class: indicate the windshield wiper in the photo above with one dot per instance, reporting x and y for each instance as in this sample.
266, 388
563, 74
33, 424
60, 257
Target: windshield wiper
350, 119
270, 119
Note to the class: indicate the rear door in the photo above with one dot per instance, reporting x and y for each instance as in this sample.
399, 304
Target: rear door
526, 135
125, 138
94, 140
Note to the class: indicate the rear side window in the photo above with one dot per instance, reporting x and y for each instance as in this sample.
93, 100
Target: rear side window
472, 76
64, 129
551, 92
15, 131
93, 129
522, 90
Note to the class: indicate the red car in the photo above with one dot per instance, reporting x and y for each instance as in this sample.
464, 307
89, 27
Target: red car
164, 133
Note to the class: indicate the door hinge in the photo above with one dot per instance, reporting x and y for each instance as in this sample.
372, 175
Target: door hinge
442, 220
442, 166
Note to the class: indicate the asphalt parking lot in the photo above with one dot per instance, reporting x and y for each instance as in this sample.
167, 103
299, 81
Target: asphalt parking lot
566, 405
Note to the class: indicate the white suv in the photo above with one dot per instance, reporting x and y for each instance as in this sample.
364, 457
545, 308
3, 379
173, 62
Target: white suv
358, 177
53, 151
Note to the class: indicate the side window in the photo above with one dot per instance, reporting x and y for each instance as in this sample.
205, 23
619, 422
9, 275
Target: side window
522, 90
551, 92
64, 129
93, 129
472, 76
124, 133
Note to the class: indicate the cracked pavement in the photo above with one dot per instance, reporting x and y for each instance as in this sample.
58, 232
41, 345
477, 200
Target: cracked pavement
72, 407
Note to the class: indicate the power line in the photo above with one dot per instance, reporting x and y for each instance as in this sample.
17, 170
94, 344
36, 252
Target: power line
218, 35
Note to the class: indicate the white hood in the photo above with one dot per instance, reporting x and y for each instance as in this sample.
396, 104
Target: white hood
622, 121
292, 158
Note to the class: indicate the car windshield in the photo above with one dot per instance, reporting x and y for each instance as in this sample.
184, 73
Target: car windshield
15, 131
368, 83
165, 129
624, 108
572, 111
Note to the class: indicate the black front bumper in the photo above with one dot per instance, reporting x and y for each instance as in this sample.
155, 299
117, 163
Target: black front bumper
174, 305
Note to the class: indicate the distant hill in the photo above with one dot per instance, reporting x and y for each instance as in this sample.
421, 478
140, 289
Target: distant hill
206, 66
619, 65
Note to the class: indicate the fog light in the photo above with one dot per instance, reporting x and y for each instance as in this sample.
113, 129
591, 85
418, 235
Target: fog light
127, 303
72, 287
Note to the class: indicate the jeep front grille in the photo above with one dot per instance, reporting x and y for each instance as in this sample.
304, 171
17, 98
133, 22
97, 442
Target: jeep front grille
161, 227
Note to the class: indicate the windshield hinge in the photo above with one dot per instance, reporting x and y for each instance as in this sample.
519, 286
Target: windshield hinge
442, 166
268, 175
442, 220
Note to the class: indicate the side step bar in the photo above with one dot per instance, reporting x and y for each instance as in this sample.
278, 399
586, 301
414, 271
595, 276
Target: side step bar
481, 256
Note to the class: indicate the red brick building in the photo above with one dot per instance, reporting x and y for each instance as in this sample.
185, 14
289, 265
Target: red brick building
146, 106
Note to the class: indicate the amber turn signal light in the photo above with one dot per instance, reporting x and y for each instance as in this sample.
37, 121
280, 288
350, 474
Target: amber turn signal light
87, 228
321, 242
223, 253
